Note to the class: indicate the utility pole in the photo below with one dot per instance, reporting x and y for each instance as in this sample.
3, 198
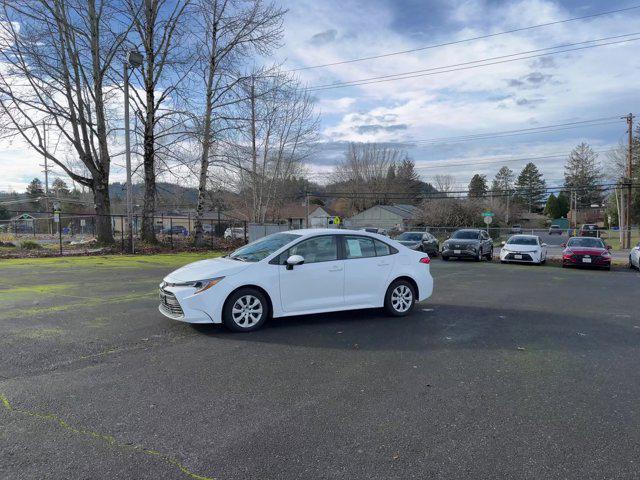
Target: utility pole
254, 151
134, 60
46, 172
627, 221
306, 203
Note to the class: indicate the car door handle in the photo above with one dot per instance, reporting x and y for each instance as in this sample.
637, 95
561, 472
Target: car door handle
335, 269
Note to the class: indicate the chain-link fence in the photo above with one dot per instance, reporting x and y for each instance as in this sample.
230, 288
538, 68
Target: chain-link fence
71, 232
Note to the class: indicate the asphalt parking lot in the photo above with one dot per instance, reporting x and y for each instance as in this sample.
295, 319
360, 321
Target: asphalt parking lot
508, 371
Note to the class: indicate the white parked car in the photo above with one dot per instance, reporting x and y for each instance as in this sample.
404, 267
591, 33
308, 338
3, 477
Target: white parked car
234, 233
634, 257
295, 273
525, 249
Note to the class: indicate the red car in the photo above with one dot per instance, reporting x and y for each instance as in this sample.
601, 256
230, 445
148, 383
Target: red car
586, 252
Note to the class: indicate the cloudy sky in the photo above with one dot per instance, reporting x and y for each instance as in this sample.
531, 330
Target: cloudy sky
569, 87
577, 86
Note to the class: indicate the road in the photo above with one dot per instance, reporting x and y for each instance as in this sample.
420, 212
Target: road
507, 372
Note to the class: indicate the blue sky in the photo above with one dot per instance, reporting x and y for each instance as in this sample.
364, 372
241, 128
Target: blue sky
575, 86
570, 87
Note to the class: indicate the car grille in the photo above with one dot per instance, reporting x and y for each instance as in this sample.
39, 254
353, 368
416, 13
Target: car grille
525, 257
170, 305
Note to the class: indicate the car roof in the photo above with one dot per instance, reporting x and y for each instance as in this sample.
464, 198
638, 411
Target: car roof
522, 235
308, 232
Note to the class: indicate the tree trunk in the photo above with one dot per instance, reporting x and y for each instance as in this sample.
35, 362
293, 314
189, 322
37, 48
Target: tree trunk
104, 231
148, 210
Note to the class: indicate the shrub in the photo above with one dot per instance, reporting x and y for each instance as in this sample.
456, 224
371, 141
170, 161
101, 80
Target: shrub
30, 245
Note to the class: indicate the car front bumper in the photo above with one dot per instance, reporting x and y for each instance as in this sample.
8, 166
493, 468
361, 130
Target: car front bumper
525, 257
459, 253
179, 303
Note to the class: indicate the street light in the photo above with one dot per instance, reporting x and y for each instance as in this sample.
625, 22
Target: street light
134, 60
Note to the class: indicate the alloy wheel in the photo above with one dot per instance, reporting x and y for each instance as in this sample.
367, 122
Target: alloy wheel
401, 298
247, 311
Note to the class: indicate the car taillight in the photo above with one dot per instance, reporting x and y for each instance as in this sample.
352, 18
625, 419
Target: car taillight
426, 260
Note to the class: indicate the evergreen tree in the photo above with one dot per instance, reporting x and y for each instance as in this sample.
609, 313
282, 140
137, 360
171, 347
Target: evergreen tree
35, 189
4, 213
478, 186
503, 181
407, 179
582, 173
60, 188
563, 205
530, 188
552, 208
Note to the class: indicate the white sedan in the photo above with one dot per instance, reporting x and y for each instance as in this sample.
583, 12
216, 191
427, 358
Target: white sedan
295, 273
634, 257
525, 249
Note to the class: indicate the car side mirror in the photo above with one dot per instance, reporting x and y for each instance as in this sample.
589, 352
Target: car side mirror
503, 243
544, 244
609, 247
294, 260
563, 245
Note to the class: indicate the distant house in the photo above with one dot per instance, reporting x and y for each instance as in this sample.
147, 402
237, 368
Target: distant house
387, 217
321, 217
30, 222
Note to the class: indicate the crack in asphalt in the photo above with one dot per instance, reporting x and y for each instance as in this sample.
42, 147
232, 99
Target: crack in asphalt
108, 439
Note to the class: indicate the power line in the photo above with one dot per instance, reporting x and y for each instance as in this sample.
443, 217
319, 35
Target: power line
471, 39
480, 164
472, 64
520, 131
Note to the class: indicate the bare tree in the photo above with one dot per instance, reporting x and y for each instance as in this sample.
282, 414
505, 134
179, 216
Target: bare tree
56, 57
269, 147
365, 172
158, 30
444, 183
227, 32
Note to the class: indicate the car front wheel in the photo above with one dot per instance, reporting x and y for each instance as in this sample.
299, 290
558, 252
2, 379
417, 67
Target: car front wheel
400, 298
245, 310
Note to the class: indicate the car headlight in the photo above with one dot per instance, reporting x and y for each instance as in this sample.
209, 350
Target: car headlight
199, 285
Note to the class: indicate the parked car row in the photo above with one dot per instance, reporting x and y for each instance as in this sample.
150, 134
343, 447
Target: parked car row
233, 233
582, 251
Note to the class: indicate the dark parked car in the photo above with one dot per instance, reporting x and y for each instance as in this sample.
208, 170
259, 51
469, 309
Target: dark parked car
555, 230
586, 252
422, 241
468, 243
589, 230
515, 229
175, 230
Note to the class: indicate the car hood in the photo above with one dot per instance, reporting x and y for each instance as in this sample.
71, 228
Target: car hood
454, 241
203, 269
521, 248
408, 243
586, 250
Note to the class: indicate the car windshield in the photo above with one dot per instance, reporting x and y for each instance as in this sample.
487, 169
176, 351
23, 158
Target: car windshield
589, 227
466, 235
260, 249
555, 226
587, 242
522, 241
410, 237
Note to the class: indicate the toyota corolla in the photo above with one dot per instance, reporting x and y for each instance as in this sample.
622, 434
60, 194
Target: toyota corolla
295, 273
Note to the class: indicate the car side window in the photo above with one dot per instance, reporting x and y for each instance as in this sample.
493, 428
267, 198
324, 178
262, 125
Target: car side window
382, 249
314, 250
359, 247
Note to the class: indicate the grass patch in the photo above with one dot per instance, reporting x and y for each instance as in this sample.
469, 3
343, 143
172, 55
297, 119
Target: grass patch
111, 261
39, 333
30, 245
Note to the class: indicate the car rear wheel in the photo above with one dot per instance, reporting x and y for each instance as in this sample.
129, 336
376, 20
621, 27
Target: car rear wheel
400, 298
490, 255
245, 310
